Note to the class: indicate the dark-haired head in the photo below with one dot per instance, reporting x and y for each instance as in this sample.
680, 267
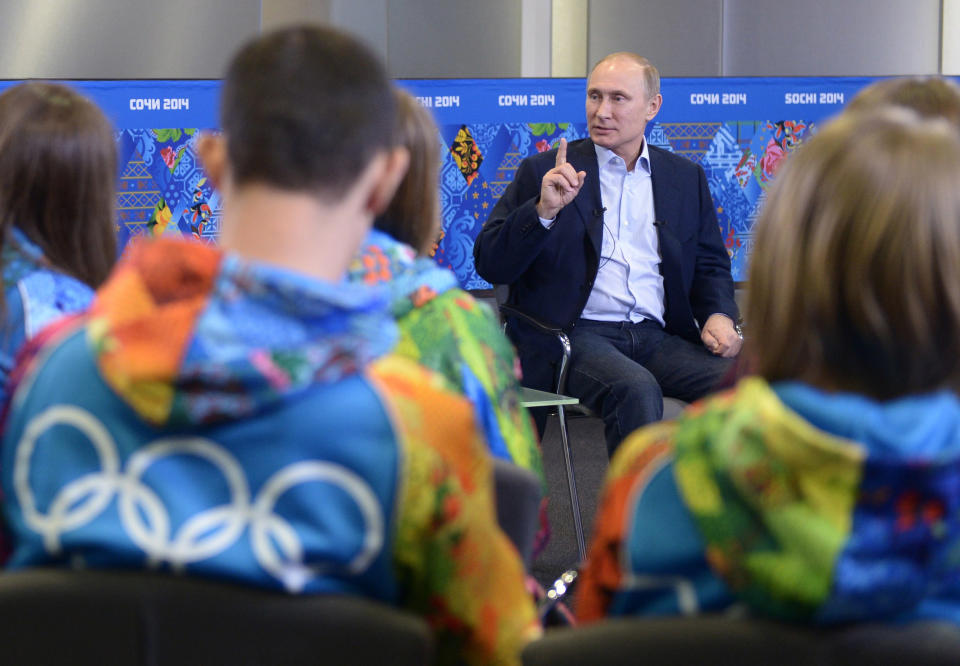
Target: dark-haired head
58, 177
305, 109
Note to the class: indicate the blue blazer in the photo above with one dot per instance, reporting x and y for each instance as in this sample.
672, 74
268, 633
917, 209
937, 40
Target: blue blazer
551, 272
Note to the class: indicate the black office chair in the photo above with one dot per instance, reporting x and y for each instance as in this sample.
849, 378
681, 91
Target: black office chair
55, 616
671, 406
721, 641
564, 341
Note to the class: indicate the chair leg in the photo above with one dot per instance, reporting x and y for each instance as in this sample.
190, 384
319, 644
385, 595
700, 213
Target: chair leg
571, 484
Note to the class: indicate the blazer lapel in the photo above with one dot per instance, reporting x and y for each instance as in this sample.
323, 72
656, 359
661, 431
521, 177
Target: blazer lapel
666, 194
584, 158
666, 206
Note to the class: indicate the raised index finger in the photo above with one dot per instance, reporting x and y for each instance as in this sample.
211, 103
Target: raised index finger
562, 152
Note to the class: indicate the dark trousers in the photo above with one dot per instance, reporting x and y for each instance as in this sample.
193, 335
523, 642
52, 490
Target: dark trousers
622, 371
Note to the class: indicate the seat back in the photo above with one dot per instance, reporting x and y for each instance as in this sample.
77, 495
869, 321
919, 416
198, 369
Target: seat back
672, 407
720, 641
52, 616
518, 496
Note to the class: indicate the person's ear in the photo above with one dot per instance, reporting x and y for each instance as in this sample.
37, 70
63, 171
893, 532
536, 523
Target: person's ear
388, 180
653, 106
212, 151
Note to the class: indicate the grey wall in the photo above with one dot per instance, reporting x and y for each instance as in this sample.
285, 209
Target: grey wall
771, 37
366, 19
831, 37
443, 38
122, 38
681, 37
475, 38
426, 38
277, 13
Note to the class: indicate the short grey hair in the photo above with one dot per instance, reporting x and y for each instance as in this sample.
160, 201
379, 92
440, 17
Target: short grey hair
651, 77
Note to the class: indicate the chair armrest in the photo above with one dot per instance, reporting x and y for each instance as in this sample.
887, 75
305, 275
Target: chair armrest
562, 338
510, 311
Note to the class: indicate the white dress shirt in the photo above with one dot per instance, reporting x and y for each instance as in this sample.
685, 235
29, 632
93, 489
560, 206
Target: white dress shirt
629, 286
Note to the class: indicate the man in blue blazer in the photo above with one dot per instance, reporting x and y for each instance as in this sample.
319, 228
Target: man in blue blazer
616, 242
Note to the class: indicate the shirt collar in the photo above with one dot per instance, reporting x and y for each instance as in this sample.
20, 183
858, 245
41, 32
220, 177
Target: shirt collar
604, 155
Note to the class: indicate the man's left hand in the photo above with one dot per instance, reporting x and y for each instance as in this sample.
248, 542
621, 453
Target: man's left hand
720, 336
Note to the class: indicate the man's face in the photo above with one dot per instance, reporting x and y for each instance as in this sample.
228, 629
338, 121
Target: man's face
618, 108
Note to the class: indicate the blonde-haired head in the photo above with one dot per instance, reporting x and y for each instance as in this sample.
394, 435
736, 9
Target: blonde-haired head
855, 274
928, 96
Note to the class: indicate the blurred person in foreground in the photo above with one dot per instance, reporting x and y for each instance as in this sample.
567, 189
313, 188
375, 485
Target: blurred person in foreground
233, 413
826, 487
57, 191
928, 96
442, 326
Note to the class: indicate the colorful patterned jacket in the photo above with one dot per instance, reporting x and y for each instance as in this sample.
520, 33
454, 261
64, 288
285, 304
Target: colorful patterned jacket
447, 330
219, 418
803, 505
34, 295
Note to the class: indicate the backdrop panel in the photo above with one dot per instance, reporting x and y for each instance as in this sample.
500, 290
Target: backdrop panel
738, 129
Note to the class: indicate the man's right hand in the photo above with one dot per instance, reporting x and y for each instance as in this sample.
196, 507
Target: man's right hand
560, 185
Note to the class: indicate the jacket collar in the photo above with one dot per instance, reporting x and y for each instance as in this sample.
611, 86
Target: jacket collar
187, 334
666, 193
583, 156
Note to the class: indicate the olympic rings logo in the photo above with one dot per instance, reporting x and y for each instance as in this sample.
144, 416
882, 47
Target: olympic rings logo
207, 533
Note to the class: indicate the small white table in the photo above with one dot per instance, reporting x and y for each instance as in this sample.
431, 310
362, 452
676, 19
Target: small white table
534, 398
